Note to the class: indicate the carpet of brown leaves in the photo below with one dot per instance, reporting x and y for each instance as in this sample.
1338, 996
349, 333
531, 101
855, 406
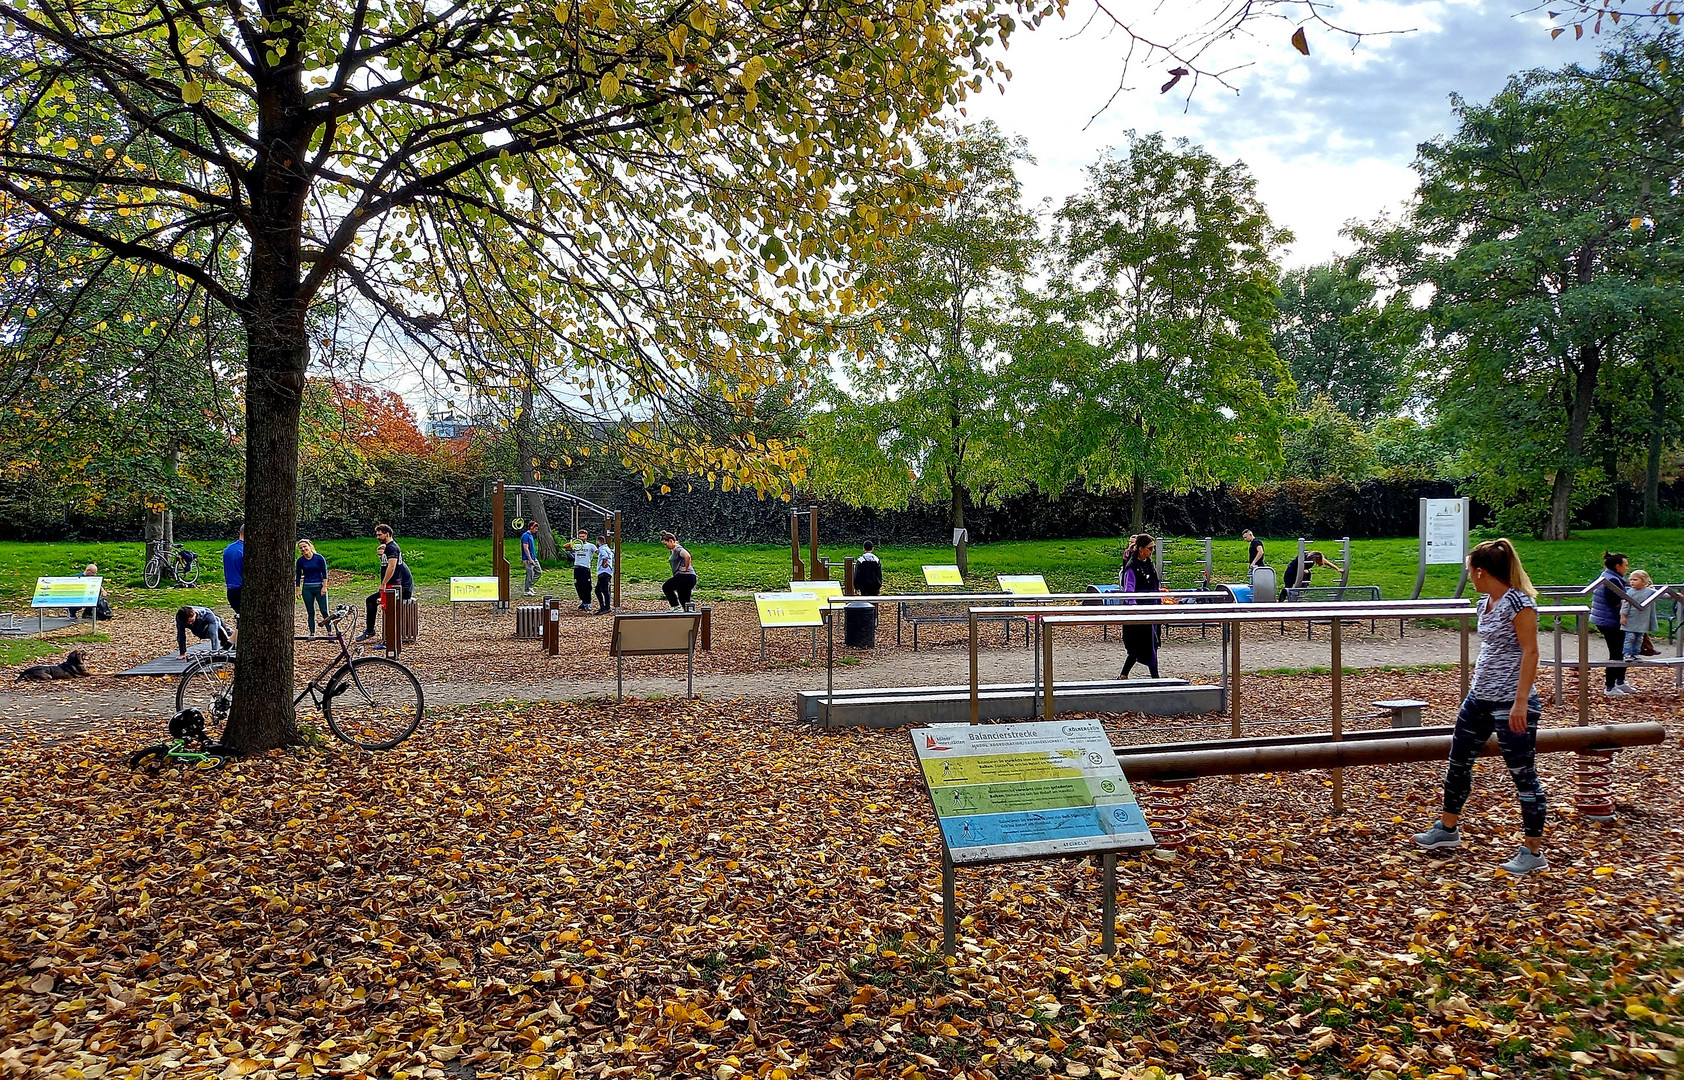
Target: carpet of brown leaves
703, 889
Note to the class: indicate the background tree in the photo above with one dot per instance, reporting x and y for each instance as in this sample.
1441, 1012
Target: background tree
1323, 443
1152, 356
622, 173
1545, 229
1337, 341
916, 412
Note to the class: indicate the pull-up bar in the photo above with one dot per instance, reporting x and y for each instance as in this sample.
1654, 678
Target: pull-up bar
500, 563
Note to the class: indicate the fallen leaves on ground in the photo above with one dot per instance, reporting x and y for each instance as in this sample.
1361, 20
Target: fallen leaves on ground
709, 889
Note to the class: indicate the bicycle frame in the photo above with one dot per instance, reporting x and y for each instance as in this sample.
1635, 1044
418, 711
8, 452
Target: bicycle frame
325, 676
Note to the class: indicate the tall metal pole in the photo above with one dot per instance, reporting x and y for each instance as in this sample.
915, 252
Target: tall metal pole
1234, 686
949, 906
616, 560
976, 705
1584, 667
1338, 709
499, 564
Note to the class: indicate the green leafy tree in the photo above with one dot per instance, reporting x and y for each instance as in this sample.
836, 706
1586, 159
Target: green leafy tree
1322, 443
1338, 341
1150, 361
1545, 229
917, 414
614, 172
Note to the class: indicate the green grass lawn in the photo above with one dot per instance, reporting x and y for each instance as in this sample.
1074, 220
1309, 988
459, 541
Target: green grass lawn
1068, 565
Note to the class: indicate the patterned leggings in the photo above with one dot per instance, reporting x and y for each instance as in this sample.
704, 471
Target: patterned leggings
1474, 725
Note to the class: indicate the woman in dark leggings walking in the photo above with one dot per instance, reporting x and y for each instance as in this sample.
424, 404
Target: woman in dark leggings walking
1605, 601
1140, 575
682, 584
1501, 701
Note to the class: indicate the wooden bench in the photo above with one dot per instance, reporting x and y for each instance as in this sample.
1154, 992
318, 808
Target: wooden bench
654, 633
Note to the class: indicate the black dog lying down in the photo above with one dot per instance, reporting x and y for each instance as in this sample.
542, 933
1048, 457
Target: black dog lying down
70, 668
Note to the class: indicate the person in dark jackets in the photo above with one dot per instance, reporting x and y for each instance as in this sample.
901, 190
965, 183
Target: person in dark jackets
868, 572
310, 575
1295, 580
1605, 600
205, 624
393, 575
1140, 575
234, 569
678, 588
1254, 553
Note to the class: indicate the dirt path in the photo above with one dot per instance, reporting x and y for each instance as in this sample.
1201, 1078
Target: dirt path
71, 707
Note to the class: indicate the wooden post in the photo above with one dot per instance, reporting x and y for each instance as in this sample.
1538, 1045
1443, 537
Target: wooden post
1466, 674
499, 563
848, 576
797, 572
1338, 709
391, 625
616, 560
1047, 710
976, 705
707, 630
819, 571
552, 627
1234, 687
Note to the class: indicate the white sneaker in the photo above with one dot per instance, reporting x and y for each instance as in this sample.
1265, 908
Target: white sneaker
1611, 691
1626, 689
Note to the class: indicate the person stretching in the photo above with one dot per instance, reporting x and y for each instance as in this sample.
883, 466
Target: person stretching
604, 576
1297, 580
310, 575
682, 585
1502, 687
1140, 575
205, 624
394, 574
582, 550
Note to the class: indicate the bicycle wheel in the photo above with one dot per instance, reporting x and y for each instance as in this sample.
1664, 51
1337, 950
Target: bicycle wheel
188, 576
375, 703
209, 687
154, 572
151, 757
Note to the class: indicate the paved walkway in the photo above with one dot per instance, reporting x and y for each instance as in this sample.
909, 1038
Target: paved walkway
68, 707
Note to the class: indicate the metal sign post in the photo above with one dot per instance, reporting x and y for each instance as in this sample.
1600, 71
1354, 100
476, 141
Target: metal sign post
1444, 540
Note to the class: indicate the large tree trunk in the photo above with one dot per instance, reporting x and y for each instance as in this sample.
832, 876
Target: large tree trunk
529, 474
958, 518
1657, 442
1560, 522
1137, 503
277, 355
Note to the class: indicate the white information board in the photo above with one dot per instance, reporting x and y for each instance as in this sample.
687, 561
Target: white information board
1021, 791
1444, 531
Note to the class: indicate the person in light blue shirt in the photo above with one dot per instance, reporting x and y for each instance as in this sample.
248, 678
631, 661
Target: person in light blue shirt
529, 559
604, 576
234, 569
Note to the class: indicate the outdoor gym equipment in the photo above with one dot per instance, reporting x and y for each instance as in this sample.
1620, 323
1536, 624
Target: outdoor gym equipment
1205, 560
1344, 562
578, 505
820, 568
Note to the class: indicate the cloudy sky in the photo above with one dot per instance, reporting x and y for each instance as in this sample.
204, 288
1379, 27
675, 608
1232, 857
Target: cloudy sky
1330, 137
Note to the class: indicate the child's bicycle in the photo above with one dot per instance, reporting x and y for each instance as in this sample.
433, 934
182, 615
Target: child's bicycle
189, 745
368, 701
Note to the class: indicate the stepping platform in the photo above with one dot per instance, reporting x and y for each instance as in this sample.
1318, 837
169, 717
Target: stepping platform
905, 706
169, 663
30, 625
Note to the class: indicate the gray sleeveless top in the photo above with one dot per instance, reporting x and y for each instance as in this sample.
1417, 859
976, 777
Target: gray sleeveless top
1497, 671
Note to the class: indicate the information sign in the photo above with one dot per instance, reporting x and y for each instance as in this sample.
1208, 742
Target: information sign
787, 609
1022, 791
1024, 584
53, 592
473, 588
821, 589
943, 575
1444, 528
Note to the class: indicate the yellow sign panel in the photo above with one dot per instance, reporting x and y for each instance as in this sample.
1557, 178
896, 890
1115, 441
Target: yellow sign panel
943, 575
473, 588
820, 589
1024, 584
787, 609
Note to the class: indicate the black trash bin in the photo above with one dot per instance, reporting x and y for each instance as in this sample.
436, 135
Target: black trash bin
859, 626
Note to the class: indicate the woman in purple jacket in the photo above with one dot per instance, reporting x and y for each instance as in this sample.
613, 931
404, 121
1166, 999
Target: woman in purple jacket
1140, 575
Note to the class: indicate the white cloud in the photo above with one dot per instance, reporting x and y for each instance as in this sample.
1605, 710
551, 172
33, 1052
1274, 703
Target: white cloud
1330, 137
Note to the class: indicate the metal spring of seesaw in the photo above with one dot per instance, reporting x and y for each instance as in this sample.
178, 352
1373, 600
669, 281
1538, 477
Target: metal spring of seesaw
1166, 811
1594, 773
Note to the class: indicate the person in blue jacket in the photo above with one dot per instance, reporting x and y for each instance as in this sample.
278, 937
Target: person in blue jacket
529, 558
1605, 602
310, 575
233, 569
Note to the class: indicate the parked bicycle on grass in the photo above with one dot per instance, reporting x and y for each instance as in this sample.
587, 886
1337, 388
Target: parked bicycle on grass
181, 564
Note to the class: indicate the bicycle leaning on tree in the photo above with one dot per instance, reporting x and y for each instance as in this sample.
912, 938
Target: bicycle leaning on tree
368, 701
166, 558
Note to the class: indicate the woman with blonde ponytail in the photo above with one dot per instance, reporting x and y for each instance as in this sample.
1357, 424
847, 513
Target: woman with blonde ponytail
1502, 683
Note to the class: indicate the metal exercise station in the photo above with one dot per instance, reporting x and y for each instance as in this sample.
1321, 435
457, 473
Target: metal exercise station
576, 504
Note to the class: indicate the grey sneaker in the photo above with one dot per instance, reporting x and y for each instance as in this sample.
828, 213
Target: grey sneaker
1524, 862
1626, 690
1438, 837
